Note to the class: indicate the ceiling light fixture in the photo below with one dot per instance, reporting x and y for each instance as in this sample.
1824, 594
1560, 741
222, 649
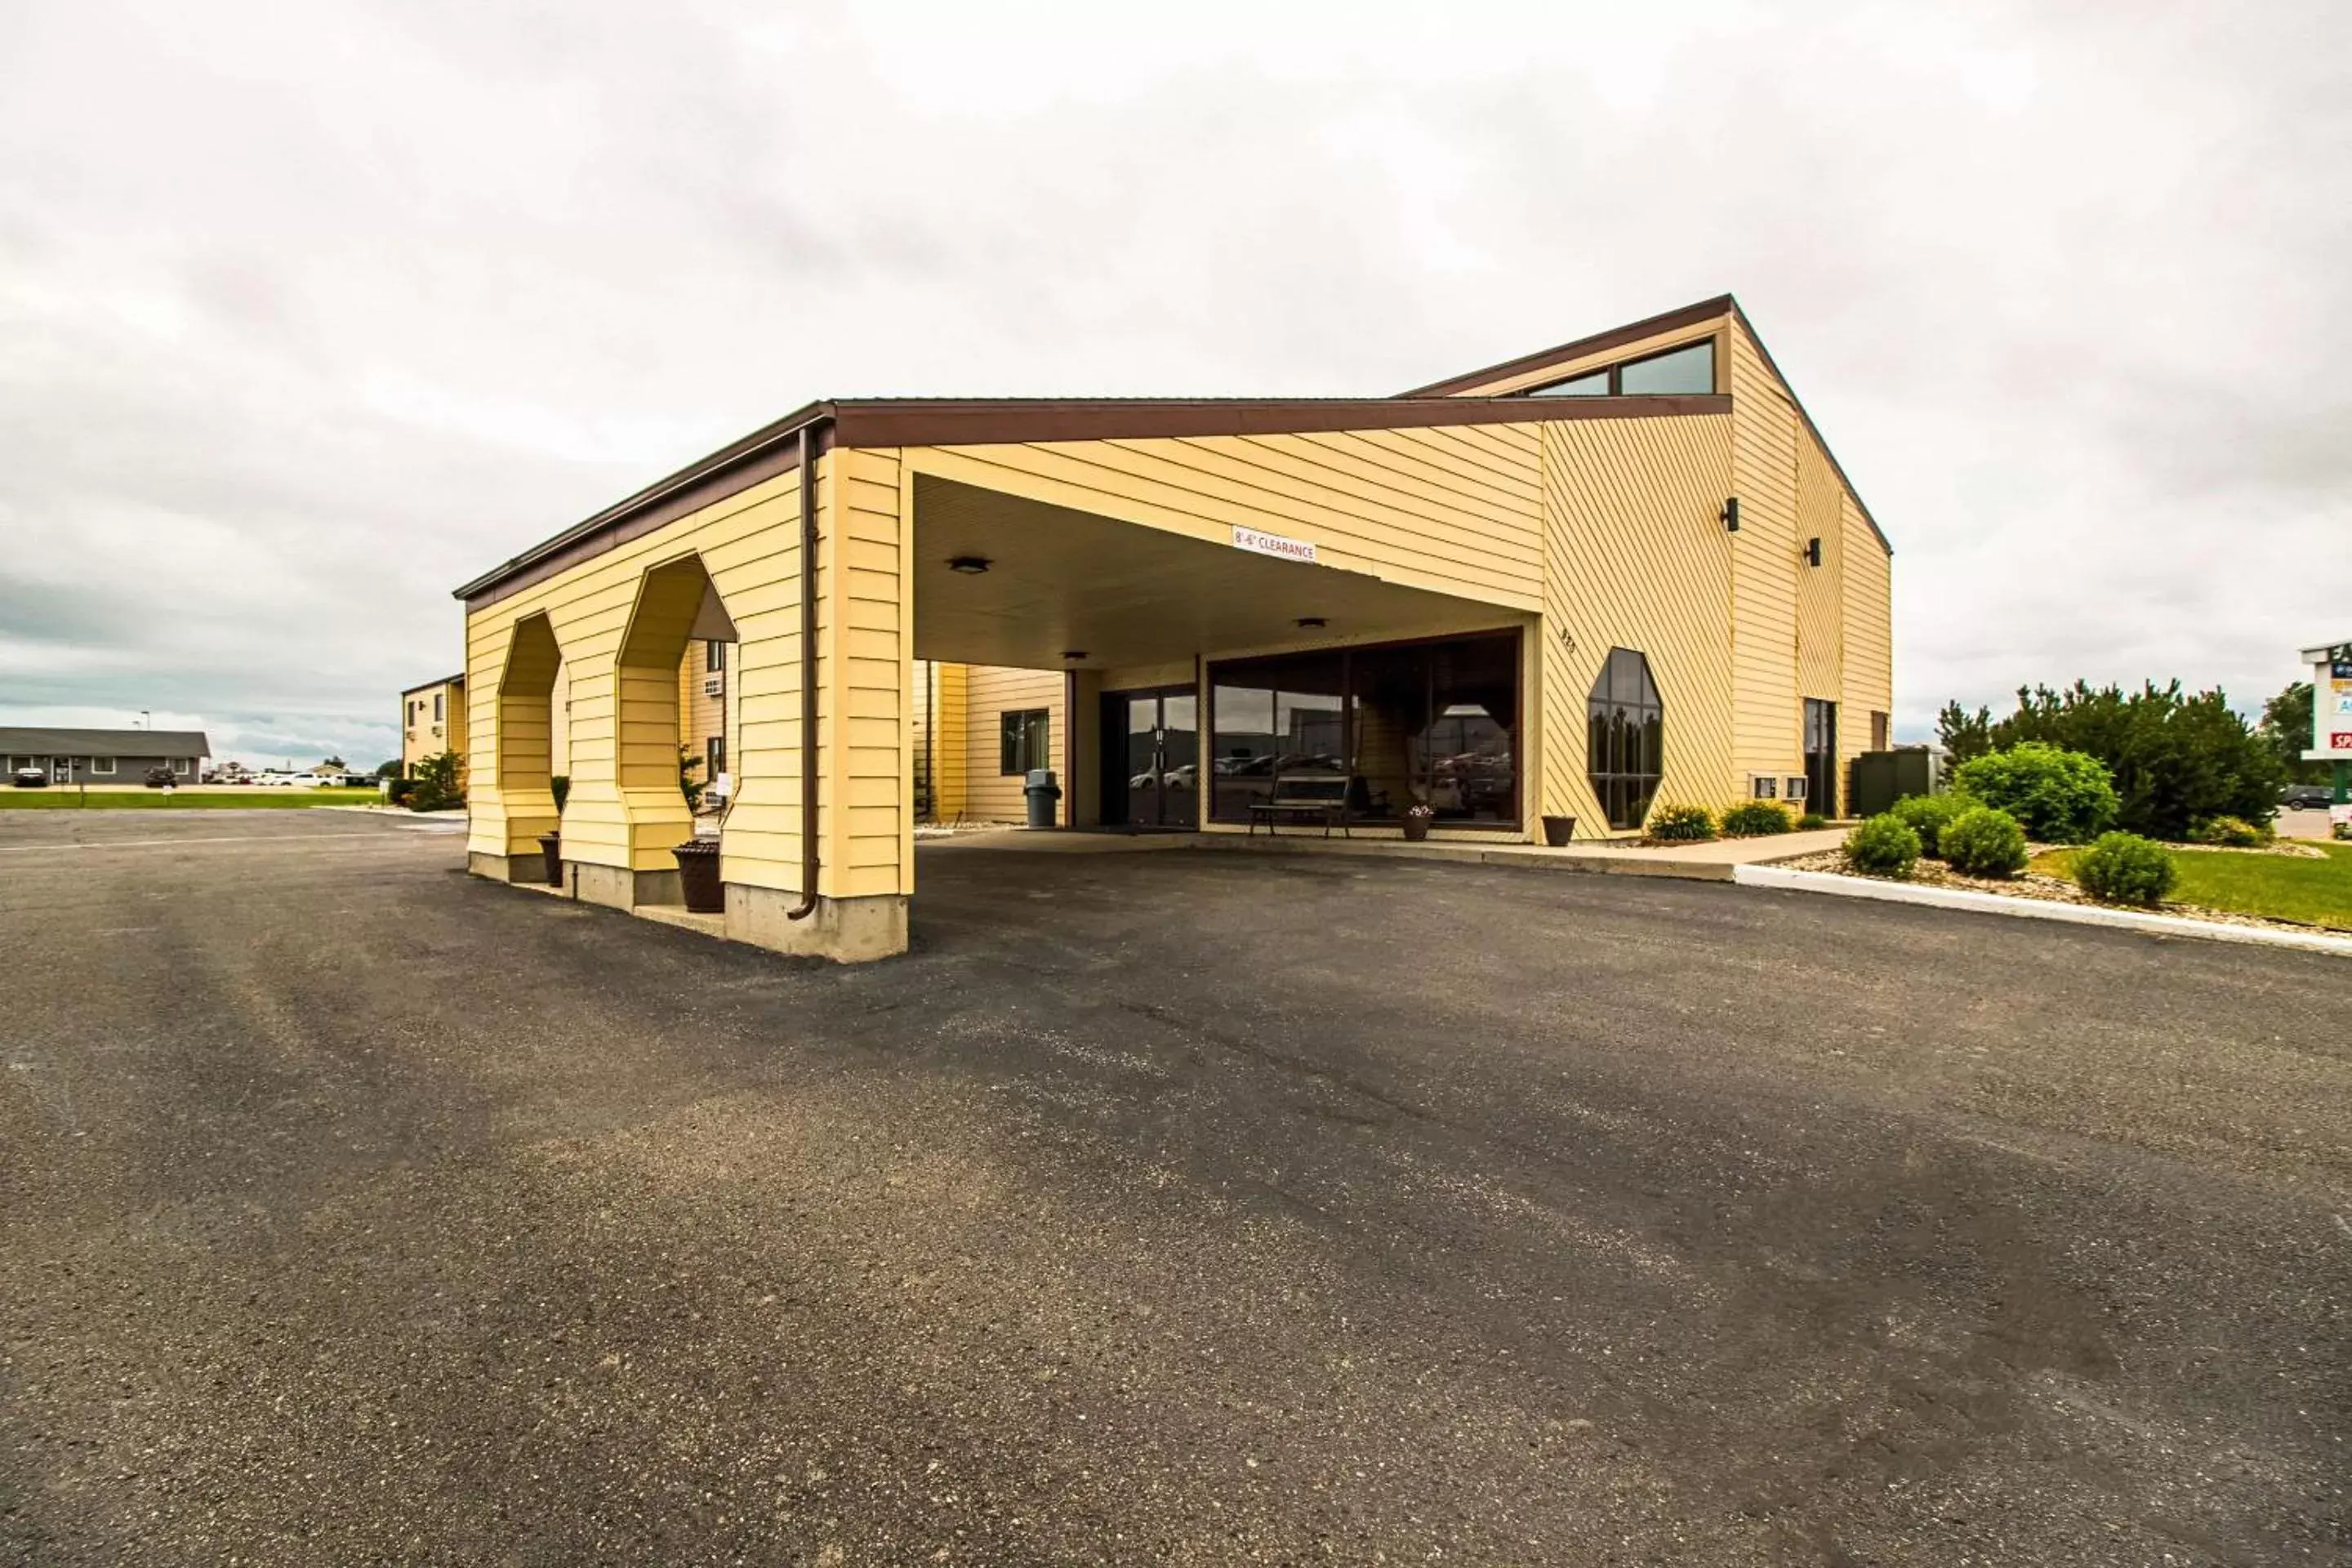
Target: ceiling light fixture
1073, 653
970, 565
1311, 623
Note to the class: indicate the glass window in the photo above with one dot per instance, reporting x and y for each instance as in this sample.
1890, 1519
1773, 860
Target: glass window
1624, 738
1432, 722
1022, 741
439, 712
1591, 383
1688, 369
714, 657
101, 765
714, 758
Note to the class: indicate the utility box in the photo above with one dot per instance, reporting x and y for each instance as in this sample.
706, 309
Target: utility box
1879, 779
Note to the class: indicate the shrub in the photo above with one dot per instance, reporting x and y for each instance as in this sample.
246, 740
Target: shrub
2057, 797
436, 786
559, 786
1984, 842
2125, 868
1926, 815
1811, 822
1681, 824
1883, 847
2232, 832
1755, 819
399, 791
2175, 759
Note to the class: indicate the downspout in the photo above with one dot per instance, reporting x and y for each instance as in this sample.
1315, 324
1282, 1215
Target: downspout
807, 905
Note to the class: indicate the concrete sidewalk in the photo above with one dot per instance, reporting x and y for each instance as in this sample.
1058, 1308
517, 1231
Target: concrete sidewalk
1711, 862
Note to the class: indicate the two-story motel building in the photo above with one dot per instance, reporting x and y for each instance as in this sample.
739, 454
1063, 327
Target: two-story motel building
1621, 571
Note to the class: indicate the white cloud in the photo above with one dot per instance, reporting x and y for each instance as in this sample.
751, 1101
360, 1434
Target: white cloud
314, 310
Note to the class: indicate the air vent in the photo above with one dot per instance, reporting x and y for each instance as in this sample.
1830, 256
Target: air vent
714, 686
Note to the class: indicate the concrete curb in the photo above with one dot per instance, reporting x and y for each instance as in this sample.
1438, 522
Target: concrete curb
2033, 909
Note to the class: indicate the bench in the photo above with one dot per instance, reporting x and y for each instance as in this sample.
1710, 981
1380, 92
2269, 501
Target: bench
1304, 797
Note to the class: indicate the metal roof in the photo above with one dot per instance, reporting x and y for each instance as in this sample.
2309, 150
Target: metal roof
29, 740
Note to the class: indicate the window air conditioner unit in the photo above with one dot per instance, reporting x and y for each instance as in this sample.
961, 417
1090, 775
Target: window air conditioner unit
1763, 787
1795, 787
714, 686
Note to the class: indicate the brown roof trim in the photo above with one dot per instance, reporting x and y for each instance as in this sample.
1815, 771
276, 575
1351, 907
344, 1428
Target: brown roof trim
429, 685
908, 421
1599, 342
1798, 403
949, 421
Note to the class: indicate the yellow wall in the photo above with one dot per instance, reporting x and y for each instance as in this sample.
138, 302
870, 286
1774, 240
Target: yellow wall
938, 734
421, 734
1454, 509
992, 691
748, 543
1637, 558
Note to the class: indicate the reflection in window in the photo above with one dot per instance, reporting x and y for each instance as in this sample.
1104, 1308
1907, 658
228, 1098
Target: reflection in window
1688, 369
1595, 384
1625, 738
1417, 721
1022, 741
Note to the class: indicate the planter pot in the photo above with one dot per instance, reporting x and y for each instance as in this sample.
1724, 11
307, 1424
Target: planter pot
697, 874
1416, 829
1559, 830
550, 850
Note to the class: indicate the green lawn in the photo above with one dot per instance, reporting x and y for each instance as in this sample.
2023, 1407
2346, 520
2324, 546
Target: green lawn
66, 799
2282, 887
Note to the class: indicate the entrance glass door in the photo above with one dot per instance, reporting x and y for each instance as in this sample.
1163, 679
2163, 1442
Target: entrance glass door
1820, 757
1153, 749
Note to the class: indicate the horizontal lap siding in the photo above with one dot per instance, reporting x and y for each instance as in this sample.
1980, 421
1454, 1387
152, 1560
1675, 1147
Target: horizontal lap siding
1636, 557
991, 691
873, 769
1766, 715
1821, 593
1456, 510
750, 545
1869, 665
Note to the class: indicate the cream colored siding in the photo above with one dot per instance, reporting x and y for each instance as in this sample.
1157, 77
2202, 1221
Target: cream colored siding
990, 693
1869, 664
1821, 594
939, 735
748, 543
1766, 718
1454, 510
1637, 558
700, 716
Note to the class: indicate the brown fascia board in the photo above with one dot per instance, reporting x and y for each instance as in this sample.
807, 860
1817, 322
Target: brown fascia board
1598, 344
950, 422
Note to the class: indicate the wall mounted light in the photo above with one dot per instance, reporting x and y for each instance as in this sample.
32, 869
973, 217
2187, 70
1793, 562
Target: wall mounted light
1731, 515
970, 565
1812, 551
1312, 623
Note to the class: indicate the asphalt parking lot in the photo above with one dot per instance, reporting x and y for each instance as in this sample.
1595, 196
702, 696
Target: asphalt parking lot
1171, 1207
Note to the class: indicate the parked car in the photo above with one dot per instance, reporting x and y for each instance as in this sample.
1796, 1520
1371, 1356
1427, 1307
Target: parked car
161, 778
2307, 797
30, 778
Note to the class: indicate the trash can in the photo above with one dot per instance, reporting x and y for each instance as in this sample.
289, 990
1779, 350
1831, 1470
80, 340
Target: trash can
1044, 798
698, 875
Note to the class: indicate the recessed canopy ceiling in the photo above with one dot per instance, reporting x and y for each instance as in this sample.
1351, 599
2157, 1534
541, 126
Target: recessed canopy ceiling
1127, 593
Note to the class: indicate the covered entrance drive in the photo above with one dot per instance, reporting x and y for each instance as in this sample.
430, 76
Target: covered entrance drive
1198, 673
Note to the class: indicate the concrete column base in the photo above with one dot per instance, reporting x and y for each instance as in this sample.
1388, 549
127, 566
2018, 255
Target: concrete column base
618, 888
847, 930
507, 868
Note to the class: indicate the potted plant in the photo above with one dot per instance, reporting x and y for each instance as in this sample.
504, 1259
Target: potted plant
1559, 830
551, 845
1416, 820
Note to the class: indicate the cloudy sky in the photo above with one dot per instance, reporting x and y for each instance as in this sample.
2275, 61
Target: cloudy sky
310, 312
